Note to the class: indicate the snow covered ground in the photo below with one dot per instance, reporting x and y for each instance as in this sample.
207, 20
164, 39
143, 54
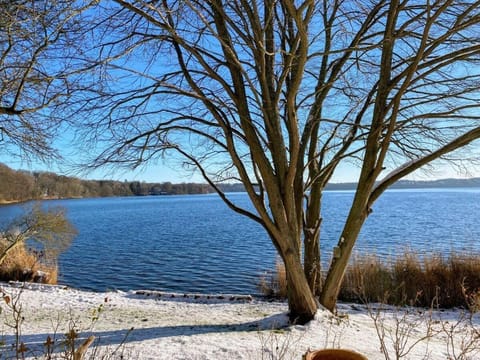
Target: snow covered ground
128, 325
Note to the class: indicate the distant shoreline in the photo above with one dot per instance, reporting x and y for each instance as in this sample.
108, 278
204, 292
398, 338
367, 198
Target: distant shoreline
410, 184
403, 184
450, 183
21, 186
417, 184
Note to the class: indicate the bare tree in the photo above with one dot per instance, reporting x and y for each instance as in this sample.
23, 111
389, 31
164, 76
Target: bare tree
43, 63
42, 54
48, 229
278, 94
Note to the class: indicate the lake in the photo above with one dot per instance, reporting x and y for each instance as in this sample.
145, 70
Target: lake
194, 243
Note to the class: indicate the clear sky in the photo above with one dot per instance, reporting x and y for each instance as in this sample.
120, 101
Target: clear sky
169, 171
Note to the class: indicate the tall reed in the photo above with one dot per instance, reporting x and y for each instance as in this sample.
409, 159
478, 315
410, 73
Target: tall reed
408, 279
446, 281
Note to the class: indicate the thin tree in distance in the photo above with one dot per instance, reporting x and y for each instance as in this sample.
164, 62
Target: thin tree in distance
278, 94
48, 229
42, 47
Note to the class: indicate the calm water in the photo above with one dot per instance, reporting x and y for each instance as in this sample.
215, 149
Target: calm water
196, 244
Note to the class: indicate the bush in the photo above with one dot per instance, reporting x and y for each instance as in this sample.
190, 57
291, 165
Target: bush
24, 264
48, 232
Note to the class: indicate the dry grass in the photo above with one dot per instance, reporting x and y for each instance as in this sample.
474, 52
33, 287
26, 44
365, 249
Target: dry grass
443, 281
409, 279
274, 284
366, 275
23, 264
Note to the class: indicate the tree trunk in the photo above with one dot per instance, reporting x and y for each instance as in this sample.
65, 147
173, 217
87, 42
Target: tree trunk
311, 235
312, 267
341, 256
301, 302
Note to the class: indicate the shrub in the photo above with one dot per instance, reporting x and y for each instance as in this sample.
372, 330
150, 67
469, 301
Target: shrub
48, 232
24, 264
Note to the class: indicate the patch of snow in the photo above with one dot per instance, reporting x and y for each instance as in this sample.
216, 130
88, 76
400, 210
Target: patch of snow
143, 325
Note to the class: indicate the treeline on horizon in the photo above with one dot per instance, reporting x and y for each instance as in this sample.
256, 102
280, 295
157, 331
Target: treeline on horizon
21, 185
417, 184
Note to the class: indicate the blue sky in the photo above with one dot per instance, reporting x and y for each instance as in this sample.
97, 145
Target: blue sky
171, 171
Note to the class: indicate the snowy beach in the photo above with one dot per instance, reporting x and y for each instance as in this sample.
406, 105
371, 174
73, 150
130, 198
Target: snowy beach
144, 325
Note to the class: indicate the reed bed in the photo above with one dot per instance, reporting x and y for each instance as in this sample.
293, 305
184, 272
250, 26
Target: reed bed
408, 279
434, 279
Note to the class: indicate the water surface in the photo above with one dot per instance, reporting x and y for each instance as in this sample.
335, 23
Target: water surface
194, 243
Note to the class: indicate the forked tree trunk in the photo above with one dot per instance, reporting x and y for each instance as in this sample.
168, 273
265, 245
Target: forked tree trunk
301, 302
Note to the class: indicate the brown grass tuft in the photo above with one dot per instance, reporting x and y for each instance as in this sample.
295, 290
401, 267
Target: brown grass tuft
274, 284
23, 264
368, 276
409, 279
